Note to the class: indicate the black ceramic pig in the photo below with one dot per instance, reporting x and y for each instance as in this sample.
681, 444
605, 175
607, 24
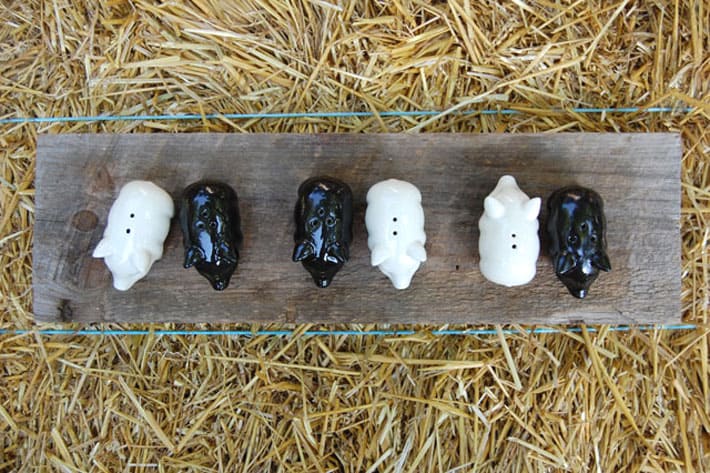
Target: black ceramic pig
324, 215
576, 231
211, 229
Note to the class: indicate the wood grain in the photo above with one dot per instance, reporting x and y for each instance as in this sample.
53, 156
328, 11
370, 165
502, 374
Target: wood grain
79, 176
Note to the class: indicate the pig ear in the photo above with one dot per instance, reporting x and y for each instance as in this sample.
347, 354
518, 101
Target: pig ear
564, 263
379, 255
228, 253
532, 208
339, 253
494, 208
417, 252
103, 249
601, 261
193, 255
141, 260
302, 251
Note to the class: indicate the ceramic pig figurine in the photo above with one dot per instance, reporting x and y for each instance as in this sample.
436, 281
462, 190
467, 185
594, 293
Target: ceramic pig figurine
509, 244
324, 215
138, 223
395, 229
576, 230
211, 229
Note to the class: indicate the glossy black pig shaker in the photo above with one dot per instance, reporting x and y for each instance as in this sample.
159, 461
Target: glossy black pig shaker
576, 231
211, 230
324, 214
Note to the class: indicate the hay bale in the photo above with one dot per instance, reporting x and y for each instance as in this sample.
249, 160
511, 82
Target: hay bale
601, 401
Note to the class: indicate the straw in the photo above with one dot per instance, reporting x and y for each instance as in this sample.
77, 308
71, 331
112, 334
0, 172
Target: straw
338, 398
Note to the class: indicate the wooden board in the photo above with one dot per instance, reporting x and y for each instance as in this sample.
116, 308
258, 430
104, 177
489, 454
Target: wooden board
79, 176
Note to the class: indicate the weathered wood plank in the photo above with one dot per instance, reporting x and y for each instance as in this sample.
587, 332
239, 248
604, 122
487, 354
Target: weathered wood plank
78, 177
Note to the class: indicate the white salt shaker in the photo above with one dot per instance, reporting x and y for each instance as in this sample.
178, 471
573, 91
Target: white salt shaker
509, 244
395, 227
138, 223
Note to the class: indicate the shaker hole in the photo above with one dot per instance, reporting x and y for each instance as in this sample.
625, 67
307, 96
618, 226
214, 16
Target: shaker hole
394, 233
128, 230
515, 247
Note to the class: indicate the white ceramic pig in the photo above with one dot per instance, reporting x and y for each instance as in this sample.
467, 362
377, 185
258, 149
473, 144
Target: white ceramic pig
138, 223
395, 229
509, 244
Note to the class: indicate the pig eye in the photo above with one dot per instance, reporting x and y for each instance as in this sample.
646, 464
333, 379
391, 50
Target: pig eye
572, 238
213, 224
593, 238
330, 221
313, 223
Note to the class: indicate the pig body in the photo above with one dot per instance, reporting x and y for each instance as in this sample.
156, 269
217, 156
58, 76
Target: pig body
323, 234
576, 230
138, 223
395, 229
509, 244
211, 229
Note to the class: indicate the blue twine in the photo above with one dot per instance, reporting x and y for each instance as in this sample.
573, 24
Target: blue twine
316, 333
237, 116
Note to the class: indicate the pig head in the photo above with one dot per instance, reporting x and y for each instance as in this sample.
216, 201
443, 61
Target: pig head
576, 230
323, 234
211, 228
138, 223
395, 229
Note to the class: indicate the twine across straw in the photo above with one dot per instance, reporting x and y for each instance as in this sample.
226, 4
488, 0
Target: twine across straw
344, 114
